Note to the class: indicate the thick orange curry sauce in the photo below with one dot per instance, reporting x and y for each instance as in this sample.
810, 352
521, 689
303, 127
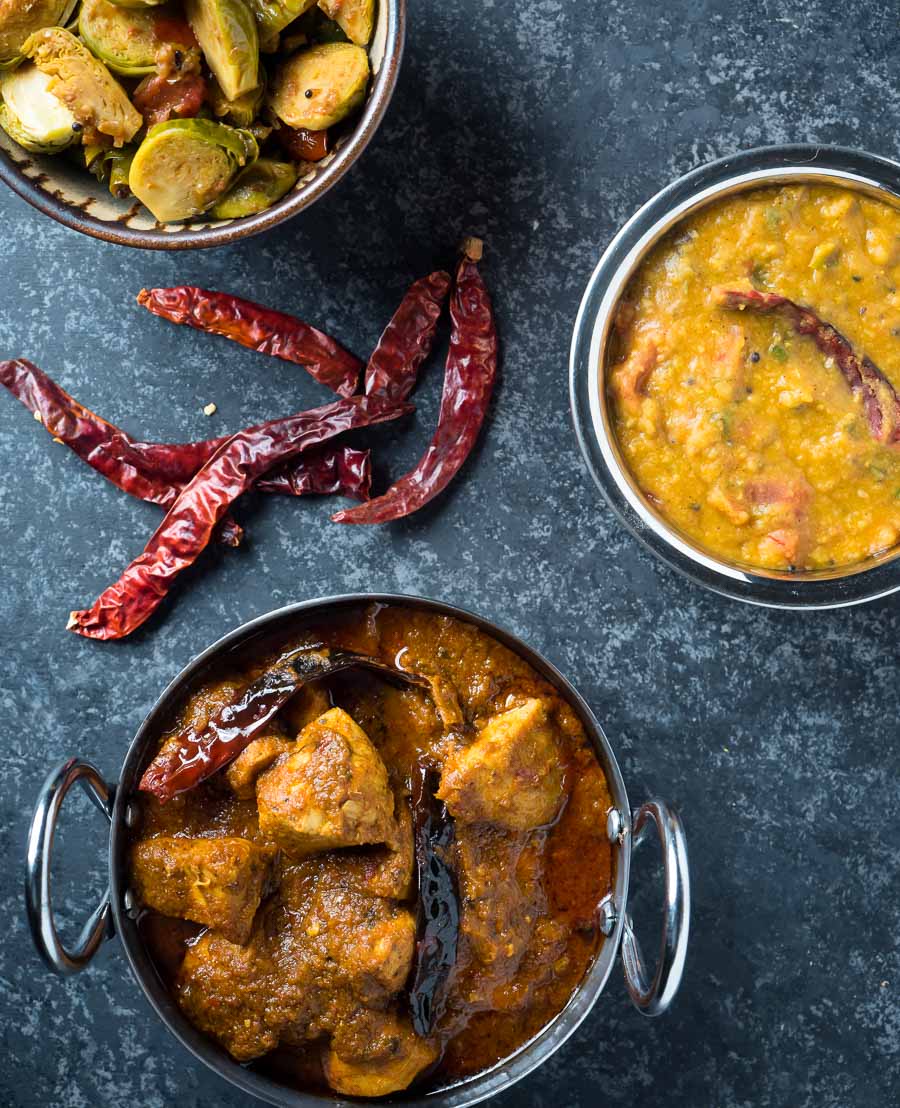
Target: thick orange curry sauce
529, 899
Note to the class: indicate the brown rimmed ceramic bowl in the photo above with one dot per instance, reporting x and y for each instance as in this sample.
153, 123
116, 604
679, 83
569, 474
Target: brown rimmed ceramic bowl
73, 197
118, 914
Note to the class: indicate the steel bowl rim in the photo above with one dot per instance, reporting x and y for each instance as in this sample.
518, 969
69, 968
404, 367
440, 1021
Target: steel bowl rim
231, 231
463, 1094
745, 170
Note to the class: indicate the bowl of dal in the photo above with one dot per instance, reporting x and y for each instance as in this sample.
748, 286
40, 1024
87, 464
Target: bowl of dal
735, 371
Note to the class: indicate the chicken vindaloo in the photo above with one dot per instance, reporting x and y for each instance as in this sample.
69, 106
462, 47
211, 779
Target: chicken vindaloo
284, 895
753, 374
202, 106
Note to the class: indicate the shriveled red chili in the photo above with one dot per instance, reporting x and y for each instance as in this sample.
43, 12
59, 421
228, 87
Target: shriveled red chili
865, 379
337, 470
407, 340
334, 469
468, 384
102, 445
258, 328
188, 526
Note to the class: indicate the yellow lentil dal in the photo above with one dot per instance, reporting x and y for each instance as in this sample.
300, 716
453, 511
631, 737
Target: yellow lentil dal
741, 433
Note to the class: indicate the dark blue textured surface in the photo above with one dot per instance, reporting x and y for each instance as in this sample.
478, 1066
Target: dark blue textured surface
542, 125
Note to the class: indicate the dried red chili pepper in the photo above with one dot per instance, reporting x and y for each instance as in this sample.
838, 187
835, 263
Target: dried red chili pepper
302, 145
437, 926
468, 383
105, 447
196, 755
157, 471
865, 379
338, 470
258, 328
406, 341
334, 469
190, 522
102, 445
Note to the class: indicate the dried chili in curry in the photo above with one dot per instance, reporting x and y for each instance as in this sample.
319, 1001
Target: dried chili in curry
258, 328
437, 925
188, 760
865, 379
190, 522
468, 384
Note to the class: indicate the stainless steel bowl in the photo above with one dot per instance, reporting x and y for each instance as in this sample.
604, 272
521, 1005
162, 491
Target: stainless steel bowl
118, 914
70, 195
770, 165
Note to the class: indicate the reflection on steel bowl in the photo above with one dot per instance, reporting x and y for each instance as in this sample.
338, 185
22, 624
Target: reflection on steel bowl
731, 376
370, 845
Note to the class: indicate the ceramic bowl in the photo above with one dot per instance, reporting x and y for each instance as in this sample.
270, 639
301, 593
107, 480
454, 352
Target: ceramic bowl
73, 197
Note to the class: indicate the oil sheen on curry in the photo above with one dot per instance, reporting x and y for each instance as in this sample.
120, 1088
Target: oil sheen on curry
752, 374
391, 883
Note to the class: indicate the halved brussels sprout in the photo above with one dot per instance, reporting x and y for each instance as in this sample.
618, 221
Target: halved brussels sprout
31, 115
226, 31
256, 188
318, 87
272, 16
240, 112
19, 20
183, 166
138, 3
84, 85
125, 39
355, 18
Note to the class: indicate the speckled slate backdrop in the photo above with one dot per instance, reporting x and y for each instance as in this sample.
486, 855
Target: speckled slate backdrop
541, 124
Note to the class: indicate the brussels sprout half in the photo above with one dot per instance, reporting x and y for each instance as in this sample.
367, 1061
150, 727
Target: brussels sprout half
356, 18
31, 115
272, 16
256, 188
241, 112
125, 39
183, 166
137, 3
18, 21
226, 31
84, 85
318, 87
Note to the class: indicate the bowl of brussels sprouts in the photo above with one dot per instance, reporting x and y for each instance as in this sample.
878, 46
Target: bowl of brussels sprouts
176, 124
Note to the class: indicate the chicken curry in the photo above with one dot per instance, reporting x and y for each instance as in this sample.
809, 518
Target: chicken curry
280, 893
752, 375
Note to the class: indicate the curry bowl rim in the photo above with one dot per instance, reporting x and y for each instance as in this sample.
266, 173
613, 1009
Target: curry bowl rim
461, 1094
745, 171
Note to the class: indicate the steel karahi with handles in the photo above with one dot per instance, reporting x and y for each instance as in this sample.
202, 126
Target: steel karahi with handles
118, 912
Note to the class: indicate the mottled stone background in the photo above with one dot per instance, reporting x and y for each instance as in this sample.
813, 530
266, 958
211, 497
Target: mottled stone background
541, 124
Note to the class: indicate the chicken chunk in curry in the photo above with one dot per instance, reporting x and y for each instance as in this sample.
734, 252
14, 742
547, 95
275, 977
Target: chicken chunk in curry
509, 776
313, 987
216, 882
331, 790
